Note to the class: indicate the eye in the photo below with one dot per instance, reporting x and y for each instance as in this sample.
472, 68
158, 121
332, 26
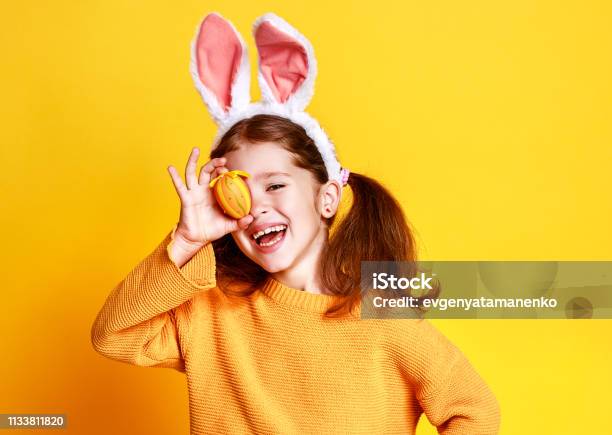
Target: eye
275, 186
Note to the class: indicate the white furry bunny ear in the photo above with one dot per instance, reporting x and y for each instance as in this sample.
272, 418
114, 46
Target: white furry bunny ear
287, 66
220, 67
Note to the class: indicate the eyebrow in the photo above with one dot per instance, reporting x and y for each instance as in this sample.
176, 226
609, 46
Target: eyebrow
270, 174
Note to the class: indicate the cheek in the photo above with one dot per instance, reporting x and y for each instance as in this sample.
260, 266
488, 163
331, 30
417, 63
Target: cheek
305, 216
241, 240
299, 202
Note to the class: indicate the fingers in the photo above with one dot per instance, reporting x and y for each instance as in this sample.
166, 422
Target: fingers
243, 223
218, 171
190, 169
176, 180
207, 170
214, 166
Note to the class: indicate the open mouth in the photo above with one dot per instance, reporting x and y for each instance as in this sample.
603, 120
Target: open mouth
270, 236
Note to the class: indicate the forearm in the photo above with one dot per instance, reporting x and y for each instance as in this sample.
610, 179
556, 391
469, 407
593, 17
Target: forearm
464, 406
138, 312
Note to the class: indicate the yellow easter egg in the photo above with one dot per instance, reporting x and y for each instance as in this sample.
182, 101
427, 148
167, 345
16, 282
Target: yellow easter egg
232, 193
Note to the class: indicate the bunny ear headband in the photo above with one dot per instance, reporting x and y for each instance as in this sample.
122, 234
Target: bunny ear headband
287, 70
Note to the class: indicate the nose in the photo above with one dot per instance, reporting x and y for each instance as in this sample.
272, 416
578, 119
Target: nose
259, 202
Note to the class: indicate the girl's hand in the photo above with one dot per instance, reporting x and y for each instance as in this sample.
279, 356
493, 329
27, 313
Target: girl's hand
202, 220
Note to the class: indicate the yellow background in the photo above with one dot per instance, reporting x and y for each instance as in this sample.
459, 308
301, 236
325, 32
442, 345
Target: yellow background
490, 121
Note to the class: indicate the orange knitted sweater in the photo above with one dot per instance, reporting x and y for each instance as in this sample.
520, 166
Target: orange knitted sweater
272, 363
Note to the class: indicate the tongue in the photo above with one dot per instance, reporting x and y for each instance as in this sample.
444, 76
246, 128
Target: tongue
268, 237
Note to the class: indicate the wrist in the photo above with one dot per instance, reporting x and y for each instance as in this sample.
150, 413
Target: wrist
181, 234
180, 253
186, 245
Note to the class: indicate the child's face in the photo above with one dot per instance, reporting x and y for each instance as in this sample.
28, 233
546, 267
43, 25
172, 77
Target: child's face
293, 200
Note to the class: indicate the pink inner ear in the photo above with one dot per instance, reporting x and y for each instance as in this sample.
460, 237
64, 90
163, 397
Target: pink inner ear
218, 54
282, 59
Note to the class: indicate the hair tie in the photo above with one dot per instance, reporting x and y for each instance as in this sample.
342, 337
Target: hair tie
344, 173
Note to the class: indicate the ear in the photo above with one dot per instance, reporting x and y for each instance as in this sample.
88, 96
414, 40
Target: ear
329, 198
287, 66
220, 67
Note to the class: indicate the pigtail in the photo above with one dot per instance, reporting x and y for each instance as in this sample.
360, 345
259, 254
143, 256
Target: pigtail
375, 229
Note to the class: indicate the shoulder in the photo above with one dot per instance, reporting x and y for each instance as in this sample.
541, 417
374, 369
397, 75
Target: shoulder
410, 332
401, 336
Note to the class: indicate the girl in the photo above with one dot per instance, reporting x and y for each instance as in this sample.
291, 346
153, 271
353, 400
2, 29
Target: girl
262, 313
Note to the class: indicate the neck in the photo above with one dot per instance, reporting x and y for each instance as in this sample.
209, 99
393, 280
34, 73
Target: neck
304, 274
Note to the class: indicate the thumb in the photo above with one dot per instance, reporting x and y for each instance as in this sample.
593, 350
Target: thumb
238, 224
243, 223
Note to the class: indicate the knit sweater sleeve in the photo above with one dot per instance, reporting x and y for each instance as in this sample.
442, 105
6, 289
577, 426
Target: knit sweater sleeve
145, 319
453, 396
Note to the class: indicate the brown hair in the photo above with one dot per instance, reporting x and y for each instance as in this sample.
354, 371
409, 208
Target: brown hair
374, 229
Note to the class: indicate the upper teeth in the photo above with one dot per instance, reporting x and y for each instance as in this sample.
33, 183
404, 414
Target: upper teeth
258, 234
